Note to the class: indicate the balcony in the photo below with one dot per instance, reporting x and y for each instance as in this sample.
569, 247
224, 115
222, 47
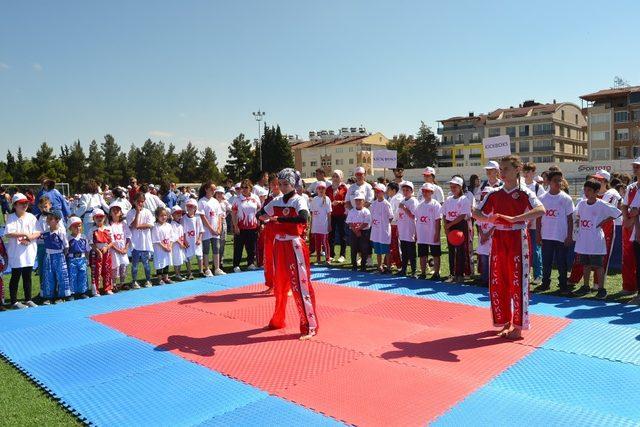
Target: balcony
442, 129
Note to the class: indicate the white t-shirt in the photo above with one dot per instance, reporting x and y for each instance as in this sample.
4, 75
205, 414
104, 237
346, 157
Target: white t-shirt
427, 214
21, 255
259, 190
313, 185
192, 227
590, 237
395, 202
359, 216
381, 216
612, 197
161, 233
120, 233
635, 203
153, 202
320, 215
364, 188
246, 209
554, 222
484, 248
177, 253
406, 224
453, 207
539, 193
141, 239
211, 209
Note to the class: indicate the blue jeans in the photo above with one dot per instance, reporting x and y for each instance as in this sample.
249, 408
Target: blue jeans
536, 251
484, 269
552, 250
140, 256
78, 275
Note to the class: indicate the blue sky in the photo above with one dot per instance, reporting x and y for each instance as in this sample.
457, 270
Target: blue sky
195, 70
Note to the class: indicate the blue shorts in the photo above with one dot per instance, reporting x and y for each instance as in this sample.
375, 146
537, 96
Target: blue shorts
380, 248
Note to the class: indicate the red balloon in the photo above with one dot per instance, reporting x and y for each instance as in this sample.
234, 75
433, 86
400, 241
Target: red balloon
455, 237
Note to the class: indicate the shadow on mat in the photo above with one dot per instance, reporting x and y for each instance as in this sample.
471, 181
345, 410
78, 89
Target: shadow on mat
206, 346
214, 298
444, 349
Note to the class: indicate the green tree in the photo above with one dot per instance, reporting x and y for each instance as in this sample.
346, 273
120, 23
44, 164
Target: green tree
75, 162
170, 170
23, 168
276, 150
11, 164
116, 173
149, 165
47, 165
425, 150
96, 163
403, 144
240, 159
5, 176
132, 161
188, 161
208, 167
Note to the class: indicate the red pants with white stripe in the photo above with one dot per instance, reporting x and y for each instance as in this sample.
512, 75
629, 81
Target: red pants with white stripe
394, 250
321, 243
100, 268
628, 262
577, 270
509, 278
293, 270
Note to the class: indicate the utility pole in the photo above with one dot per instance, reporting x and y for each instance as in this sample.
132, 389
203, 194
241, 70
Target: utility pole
258, 116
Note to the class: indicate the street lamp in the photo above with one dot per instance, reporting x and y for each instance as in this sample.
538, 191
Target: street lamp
258, 116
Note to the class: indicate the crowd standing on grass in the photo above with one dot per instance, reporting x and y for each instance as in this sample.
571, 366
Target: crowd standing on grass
83, 246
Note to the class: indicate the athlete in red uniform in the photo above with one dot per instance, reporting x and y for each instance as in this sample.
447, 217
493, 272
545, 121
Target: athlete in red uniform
289, 214
509, 208
629, 284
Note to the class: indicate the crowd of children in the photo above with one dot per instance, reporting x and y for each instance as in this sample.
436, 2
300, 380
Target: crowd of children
86, 248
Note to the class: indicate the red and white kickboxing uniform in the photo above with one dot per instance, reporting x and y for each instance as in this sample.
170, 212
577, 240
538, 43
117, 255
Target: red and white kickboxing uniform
628, 257
612, 197
509, 260
100, 266
291, 267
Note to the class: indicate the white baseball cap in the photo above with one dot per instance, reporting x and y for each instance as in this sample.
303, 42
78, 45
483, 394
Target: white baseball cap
98, 212
407, 184
322, 184
428, 186
429, 171
191, 202
359, 169
457, 180
359, 196
73, 221
636, 161
380, 187
538, 179
19, 197
117, 204
219, 190
175, 209
238, 185
603, 174
492, 165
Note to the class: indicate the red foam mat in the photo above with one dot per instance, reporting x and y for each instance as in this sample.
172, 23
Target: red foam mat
379, 359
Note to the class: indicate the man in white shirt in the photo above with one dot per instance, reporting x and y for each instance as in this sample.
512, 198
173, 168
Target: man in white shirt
151, 201
629, 267
429, 175
554, 232
262, 184
360, 186
320, 176
493, 175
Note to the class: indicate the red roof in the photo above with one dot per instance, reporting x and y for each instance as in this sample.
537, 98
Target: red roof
523, 111
480, 117
610, 93
329, 142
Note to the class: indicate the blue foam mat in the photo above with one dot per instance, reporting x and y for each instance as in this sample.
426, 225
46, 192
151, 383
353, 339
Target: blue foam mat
272, 411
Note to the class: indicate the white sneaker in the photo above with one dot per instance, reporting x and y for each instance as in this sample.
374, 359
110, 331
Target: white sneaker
208, 273
341, 260
252, 267
148, 284
219, 272
135, 285
30, 304
236, 269
18, 306
109, 292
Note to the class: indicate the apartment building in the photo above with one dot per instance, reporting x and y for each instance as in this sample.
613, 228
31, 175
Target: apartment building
345, 151
461, 143
614, 123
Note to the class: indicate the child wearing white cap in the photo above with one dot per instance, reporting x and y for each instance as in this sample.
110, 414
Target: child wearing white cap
77, 256
406, 220
101, 241
193, 232
359, 187
381, 216
428, 225
456, 210
359, 221
161, 235
140, 221
178, 244
320, 207
121, 235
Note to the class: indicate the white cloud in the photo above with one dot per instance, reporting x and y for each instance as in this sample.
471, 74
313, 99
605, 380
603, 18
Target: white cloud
160, 134
3, 66
37, 67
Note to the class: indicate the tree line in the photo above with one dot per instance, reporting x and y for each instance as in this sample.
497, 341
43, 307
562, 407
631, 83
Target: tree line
152, 162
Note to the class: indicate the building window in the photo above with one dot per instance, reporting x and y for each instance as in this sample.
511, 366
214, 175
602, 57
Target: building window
460, 138
525, 146
634, 98
543, 159
600, 135
313, 163
576, 119
562, 115
474, 163
636, 115
475, 136
621, 116
622, 134
523, 130
543, 129
494, 132
543, 145
511, 131
622, 152
600, 119
600, 154
304, 164
350, 161
513, 147
351, 149
339, 149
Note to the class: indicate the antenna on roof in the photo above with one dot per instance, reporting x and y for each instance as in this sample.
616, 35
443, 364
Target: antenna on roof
619, 82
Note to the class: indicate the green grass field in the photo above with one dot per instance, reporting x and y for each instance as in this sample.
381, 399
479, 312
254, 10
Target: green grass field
23, 403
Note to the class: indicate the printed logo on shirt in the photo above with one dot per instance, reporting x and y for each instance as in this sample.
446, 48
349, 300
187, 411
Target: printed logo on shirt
452, 214
424, 219
585, 223
375, 222
552, 213
118, 236
191, 233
